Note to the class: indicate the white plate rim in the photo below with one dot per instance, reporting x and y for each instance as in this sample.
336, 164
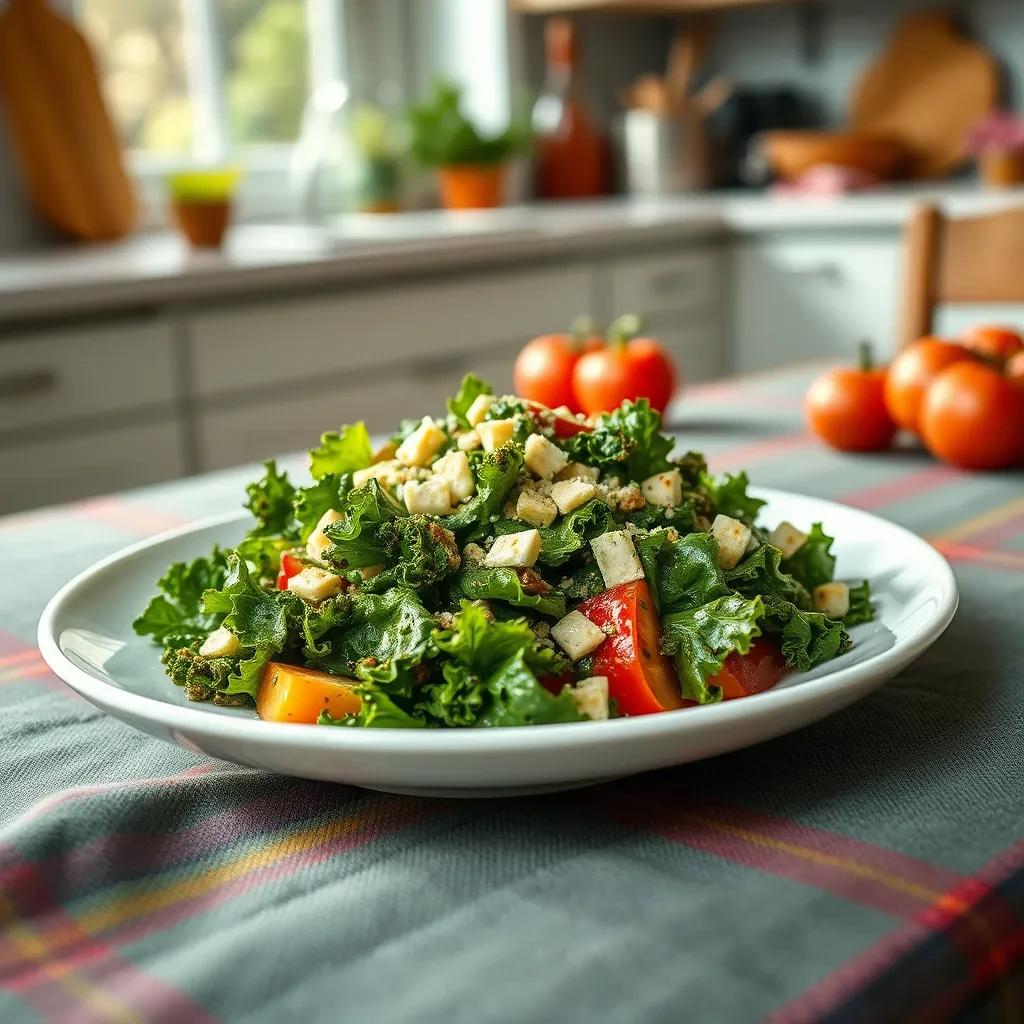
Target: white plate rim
509, 739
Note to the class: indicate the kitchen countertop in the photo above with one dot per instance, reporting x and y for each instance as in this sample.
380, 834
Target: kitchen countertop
156, 268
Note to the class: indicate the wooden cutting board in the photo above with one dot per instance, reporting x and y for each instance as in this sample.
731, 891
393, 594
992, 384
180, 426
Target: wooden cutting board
59, 125
928, 89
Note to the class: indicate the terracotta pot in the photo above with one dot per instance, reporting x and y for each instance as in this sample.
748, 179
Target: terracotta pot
1002, 168
203, 221
472, 186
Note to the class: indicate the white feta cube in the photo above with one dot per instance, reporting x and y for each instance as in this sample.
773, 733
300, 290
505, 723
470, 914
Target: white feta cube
422, 444
570, 494
787, 538
732, 537
617, 558
469, 441
494, 433
832, 599
454, 468
315, 585
221, 643
665, 489
577, 635
317, 545
543, 458
514, 550
478, 409
432, 497
389, 472
385, 452
535, 509
591, 696
578, 469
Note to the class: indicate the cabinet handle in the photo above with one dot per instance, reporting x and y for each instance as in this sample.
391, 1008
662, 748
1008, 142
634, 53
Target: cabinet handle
825, 271
29, 384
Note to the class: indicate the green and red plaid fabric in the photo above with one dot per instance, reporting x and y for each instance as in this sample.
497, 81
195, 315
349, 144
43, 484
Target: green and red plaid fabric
868, 868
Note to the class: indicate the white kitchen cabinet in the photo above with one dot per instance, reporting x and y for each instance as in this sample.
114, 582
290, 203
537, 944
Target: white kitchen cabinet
700, 349
54, 376
302, 339
803, 297
687, 281
90, 462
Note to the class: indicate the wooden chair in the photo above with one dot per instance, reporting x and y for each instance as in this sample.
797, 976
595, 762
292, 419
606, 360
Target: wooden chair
971, 259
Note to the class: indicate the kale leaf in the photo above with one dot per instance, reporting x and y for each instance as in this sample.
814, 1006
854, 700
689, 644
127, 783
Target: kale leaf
175, 615
627, 442
341, 452
813, 562
728, 494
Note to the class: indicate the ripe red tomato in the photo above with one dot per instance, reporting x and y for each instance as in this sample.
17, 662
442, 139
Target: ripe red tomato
973, 417
846, 408
757, 670
911, 373
628, 369
543, 369
290, 566
994, 342
640, 678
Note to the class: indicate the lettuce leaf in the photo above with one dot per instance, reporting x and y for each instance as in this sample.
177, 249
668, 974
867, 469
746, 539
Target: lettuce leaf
517, 698
343, 452
471, 388
560, 541
419, 553
175, 615
813, 562
687, 573
354, 537
259, 618
809, 638
861, 608
728, 494
496, 474
479, 582
627, 442
761, 573
700, 639
310, 503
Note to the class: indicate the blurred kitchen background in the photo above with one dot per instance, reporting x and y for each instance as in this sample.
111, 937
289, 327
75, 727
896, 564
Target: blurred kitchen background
628, 156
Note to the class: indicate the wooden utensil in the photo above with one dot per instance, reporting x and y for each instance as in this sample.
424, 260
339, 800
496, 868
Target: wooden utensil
928, 88
793, 153
60, 128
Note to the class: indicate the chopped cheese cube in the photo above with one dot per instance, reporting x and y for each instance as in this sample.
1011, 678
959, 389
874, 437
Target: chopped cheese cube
432, 497
514, 550
478, 409
388, 472
787, 538
385, 452
617, 558
543, 458
494, 433
732, 537
221, 643
832, 599
536, 509
469, 441
422, 444
570, 494
577, 635
665, 489
591, 696
313, 584
318, 543
578, 469
454, 468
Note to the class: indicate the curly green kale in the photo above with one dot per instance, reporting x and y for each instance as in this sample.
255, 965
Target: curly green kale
201, 678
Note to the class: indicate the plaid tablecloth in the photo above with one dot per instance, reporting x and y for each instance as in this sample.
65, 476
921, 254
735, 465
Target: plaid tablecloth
868, 868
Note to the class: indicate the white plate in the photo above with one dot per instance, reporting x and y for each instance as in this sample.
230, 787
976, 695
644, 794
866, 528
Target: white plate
86, 637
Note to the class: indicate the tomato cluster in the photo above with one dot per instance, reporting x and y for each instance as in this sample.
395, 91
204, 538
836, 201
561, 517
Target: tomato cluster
964, 399
588, 373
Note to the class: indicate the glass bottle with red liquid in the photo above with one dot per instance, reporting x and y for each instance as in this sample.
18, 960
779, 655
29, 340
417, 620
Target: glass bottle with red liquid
571, 151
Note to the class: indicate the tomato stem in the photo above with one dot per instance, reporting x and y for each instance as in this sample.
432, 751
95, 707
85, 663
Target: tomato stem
865, 356
580, 329
624, 329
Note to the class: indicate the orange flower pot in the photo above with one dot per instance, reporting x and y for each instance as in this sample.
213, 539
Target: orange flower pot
472, 186
1002, 168
203, 221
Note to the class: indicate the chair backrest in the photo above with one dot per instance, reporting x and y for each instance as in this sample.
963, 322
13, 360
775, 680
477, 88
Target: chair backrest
970, 259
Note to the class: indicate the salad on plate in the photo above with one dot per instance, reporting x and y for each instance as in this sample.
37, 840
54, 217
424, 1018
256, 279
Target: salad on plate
503, 565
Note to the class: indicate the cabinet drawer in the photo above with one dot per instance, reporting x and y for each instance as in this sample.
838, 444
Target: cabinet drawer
670, 282
247, 433
89, 463
57, 376
299, 340
816, 298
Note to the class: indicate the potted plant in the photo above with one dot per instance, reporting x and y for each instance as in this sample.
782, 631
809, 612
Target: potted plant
998, 142
470, 164
378, 147
201, 202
